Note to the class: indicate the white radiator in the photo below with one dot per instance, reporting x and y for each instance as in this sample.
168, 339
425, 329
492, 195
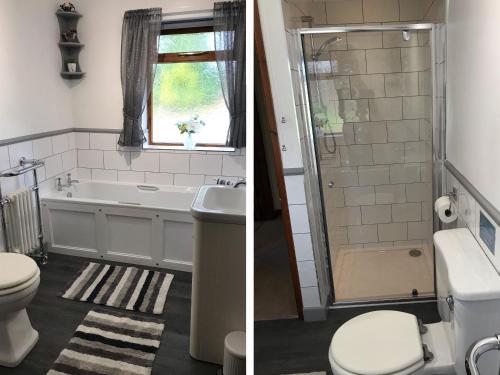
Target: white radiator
22, 228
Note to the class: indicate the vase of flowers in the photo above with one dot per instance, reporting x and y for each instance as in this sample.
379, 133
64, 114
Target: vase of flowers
189, 128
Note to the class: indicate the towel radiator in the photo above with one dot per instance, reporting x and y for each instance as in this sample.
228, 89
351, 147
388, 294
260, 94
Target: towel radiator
25, 166
477, 349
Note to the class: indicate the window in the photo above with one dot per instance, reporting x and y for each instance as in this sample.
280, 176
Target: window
186, 86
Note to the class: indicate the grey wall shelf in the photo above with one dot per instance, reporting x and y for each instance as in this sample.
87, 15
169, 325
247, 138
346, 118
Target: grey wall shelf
70, 48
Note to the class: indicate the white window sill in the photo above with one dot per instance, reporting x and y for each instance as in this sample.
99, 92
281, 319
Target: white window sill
182, 148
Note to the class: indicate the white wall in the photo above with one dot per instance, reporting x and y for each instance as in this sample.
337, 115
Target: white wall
473, 93
33, 97
98, 97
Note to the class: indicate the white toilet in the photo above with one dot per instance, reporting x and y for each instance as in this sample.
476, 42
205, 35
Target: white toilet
19, 280
391, 342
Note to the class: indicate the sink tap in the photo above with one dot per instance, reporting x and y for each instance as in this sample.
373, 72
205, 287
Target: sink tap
242, 181
477, 349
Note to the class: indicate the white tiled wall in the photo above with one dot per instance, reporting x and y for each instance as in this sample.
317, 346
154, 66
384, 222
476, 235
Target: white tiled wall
100, 158
95, 156
58, 152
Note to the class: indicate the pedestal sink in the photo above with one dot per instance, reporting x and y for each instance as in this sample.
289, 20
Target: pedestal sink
218, 291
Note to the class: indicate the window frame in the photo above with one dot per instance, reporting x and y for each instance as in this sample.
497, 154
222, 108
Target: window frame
177, 57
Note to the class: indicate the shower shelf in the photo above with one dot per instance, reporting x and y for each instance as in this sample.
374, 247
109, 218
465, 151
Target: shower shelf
70, 50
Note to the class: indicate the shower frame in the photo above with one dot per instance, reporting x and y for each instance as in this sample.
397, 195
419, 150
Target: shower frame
312, 176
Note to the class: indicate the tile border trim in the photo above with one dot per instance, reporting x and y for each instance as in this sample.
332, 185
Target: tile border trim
31, 137
293, 171
483, 202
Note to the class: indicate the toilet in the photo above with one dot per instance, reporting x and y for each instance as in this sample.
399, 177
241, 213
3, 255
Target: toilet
19, 280
391, 342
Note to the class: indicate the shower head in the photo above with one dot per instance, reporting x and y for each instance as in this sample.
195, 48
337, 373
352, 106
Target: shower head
325, 44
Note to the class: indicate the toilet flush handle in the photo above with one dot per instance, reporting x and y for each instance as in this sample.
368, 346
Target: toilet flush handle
450, 302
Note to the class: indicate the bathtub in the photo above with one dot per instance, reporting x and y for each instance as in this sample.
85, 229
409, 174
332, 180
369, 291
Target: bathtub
140, 224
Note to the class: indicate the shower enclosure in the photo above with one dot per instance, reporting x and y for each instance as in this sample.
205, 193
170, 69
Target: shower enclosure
372, 139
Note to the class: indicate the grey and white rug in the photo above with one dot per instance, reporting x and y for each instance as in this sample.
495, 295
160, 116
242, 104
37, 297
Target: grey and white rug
124, 287
111, 343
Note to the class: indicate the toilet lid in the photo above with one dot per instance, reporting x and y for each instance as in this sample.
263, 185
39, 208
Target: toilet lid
16, 269
378, 342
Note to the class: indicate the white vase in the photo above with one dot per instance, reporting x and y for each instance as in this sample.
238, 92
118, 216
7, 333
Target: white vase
189, 142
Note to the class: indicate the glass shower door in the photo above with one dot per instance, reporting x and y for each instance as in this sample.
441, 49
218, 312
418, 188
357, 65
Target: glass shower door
370, 97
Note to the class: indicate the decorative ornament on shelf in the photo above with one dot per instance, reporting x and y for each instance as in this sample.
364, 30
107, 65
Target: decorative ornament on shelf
67, 7
190, 127
69, 36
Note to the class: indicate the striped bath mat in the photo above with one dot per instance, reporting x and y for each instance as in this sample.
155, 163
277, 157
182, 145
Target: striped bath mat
110, 343
124, 287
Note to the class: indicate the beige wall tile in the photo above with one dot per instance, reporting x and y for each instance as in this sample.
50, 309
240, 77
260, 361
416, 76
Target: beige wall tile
425, 130
386, 60
358, 196
437, 11
392, 39
370, 132
364, 40
403, 131
362, 234
404, 212
392, 232
346, 137
356, 155
317, 10
338, 236
419, 192
348, 62
389, 153
417, 152
414, 107
426, 172
376, 214
342, 87
367, 86
413, 10
341, 177
401, 84
420, 230
354, 110
415, 59
386, 109
405, 173
385, 194
342, 12
427, 211
334, 197
424, 83
381, 10
378, 245
373, 175
342, 216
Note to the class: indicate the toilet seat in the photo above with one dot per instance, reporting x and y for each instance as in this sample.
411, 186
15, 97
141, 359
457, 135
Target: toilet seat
377, 343
17, 272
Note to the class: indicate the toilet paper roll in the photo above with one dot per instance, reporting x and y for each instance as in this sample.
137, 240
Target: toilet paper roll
445, 209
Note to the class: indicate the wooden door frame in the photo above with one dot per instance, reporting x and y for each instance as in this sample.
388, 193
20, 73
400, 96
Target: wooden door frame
270, 126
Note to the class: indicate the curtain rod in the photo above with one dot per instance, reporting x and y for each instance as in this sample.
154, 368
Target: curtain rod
187, 12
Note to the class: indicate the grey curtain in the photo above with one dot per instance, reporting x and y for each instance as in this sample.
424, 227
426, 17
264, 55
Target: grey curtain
229, 30
139, 55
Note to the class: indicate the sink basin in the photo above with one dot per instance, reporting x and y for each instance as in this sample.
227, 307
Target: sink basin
221, 204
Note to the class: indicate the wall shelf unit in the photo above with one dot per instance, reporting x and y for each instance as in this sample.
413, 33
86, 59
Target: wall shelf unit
70, 49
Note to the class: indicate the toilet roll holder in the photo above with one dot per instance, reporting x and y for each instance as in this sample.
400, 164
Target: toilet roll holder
453, 199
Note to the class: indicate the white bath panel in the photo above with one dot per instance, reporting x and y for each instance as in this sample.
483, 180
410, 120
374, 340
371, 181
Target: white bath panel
144, 233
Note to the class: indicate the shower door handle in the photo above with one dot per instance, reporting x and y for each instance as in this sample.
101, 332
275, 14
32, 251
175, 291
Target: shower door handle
331, 184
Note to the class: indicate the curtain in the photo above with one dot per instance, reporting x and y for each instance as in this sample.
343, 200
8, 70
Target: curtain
229, 30
139, 55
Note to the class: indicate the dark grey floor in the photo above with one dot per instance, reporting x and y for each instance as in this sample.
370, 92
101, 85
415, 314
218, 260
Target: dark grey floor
293, 346
56, 320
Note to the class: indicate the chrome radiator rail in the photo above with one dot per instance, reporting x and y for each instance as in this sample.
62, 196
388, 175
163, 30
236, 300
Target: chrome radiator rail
477, 349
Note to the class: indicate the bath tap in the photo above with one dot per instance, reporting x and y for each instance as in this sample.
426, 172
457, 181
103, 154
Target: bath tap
477, 349
240, 182
69, 182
